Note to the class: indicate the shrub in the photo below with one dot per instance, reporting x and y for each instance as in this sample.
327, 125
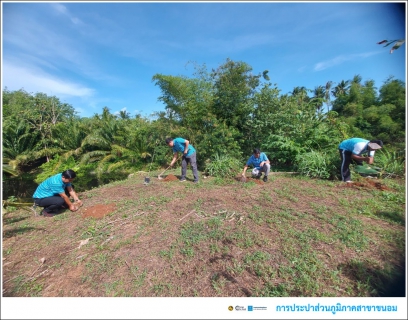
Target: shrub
315, 165
392, 163
223, 166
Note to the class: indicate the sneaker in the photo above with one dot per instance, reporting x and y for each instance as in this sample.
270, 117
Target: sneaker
349, 181
265, 178
195, 181
182, 180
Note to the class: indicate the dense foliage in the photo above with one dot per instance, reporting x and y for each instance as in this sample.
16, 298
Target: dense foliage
224, 113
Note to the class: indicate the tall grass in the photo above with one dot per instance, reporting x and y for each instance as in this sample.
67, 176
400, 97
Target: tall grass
223, 166
315, 164
392, 163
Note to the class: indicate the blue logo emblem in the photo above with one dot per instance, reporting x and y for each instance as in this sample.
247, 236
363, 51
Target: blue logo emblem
250, 308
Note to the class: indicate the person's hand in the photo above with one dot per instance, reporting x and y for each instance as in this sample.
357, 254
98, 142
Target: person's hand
79, 203
243, 174
73, 207
370, 160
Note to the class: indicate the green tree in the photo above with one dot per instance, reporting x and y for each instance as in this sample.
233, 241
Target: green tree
341, 89
327, 94
234, 87
393, 92
318, 98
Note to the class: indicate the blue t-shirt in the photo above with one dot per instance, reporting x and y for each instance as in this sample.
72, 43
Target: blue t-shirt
256, 161
51, 187
180, 145
354, 145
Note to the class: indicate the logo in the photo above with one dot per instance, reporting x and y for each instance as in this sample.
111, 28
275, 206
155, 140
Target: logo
230, 308
239, 308
252, 308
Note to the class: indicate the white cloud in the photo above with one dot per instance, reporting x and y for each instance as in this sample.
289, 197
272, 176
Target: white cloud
59, 7
340, 59
302, 69
63, 10
34, 80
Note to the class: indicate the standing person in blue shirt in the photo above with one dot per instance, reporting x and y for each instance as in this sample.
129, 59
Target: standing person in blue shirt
260, 162
52, 194
189, 156
352, 150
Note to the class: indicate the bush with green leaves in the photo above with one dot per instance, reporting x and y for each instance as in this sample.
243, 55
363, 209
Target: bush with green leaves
54, 166
392, 163
315, 164
223, 166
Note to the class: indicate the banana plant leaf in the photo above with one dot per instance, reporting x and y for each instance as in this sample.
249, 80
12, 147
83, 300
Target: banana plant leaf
366, 170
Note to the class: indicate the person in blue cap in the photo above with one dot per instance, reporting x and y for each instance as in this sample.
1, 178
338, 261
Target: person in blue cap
356, 150
189, 156
260, 162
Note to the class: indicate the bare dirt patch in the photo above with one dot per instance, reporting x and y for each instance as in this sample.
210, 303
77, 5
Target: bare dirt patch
368, 184
98, 211
257, 181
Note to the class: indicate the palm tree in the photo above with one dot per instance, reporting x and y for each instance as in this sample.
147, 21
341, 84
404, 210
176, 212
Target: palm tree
318, 97
341, 89
20, 143
356, 79
327, 94
301, 93
106, 144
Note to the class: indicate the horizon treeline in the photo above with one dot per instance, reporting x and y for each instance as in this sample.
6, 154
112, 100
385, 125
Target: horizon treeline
223, 112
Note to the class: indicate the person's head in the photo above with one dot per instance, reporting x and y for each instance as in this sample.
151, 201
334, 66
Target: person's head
374, 145
169, 142
257, 152
68, 175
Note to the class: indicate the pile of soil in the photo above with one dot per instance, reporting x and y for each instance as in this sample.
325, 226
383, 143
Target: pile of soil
170, 177
368, 184
98, 211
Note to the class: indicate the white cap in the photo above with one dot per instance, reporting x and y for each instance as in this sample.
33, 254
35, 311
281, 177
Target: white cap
255, 171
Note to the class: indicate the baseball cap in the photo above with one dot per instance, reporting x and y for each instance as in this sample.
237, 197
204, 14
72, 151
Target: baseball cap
375, 144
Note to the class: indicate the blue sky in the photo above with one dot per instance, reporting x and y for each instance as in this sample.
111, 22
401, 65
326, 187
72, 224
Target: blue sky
96, 54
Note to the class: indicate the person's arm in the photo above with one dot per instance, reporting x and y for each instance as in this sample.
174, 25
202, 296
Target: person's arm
245, 169
74, 196
265, 161
186, 147
369, 160
174, 159
70, 205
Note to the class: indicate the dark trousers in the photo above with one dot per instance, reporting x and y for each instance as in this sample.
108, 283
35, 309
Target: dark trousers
52, 204
345, 164
193, 162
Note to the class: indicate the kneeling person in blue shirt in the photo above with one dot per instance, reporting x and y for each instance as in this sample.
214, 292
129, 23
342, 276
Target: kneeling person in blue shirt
260, 162
52, 194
